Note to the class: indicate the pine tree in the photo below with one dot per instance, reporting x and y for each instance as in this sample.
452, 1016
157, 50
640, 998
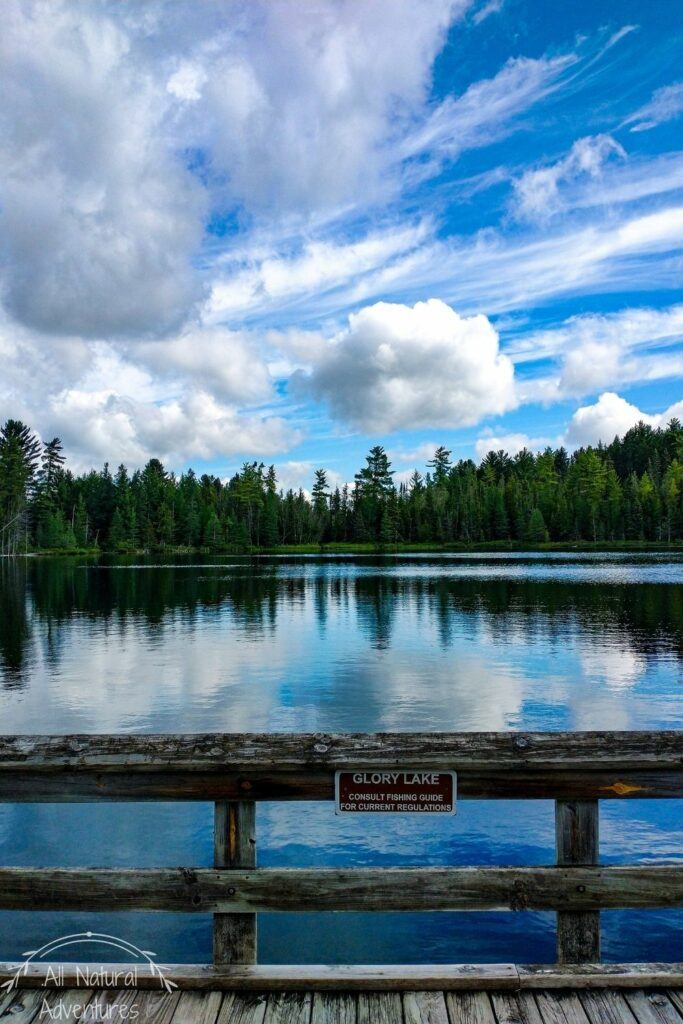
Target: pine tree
19, 455
440, 464
537, 532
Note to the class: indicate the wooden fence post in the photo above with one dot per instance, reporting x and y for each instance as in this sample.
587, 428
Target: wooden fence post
577, 844
234, 935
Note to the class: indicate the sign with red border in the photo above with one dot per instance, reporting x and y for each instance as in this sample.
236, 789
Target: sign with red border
395, 791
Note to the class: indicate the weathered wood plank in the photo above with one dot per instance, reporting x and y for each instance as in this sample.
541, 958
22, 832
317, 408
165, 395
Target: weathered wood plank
198, 1008
577, 843
279, 978
561, 1008
469, 1008
591, 976
380, 1008
360, 889
516, 1008
24, 1007
234, 935
425, 1008
115, 1004
156, 1007
676, 997
290, 1008
242, 1008
604, 1006
6, 998
334, 1008
292, 752
89, 785
652, 1008
64, 1004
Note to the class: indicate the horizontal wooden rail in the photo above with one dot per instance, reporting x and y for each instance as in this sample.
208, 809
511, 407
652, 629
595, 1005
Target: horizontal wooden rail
292, 752
93, 787
208, 890
218, 767
373, 977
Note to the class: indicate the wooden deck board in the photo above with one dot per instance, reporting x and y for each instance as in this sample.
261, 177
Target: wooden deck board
334, 1008
552, 1006
606, 1006
242, 1008
470, 1008
653, 1008
425, 1008
289, 1008
23, 1008
379, 1008
516, 1008
198, 1008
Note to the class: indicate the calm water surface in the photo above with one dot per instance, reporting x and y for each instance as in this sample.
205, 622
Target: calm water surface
397, 643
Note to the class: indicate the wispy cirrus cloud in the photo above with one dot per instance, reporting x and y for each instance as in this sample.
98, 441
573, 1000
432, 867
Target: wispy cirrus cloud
666, 105
592, 352
537, 192
632, 328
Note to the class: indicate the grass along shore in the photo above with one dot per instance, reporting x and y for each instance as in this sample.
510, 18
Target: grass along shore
341, 548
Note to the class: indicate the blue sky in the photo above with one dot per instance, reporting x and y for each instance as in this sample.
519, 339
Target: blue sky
286, 231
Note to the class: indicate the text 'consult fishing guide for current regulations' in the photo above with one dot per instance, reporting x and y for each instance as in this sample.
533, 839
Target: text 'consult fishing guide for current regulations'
394, 791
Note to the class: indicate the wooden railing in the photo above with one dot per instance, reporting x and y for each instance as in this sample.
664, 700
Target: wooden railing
576, 770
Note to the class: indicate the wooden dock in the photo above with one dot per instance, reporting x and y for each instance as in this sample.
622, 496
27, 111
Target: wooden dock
543, 1006
236, 771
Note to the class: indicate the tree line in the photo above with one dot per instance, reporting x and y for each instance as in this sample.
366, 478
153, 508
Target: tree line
629, 490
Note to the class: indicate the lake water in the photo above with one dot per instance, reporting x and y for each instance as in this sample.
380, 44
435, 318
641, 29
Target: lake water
453, 642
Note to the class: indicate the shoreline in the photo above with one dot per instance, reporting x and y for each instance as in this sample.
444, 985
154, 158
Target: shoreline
364, 549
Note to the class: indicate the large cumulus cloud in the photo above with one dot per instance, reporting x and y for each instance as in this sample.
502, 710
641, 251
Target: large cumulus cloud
122, 126
98, 219
399, 367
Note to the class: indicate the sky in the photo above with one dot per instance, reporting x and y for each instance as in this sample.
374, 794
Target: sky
287, 230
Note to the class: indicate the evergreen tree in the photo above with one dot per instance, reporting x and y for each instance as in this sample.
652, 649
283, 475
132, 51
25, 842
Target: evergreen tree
631, 489
19, 455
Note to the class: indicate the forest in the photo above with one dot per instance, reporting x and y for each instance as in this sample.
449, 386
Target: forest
629, 490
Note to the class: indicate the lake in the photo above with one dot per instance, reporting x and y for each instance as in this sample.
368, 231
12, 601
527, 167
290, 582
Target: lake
424, 642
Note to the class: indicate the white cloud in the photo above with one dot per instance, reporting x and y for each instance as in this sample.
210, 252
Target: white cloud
98, 220
487, 110
489, 271
612, 416
625, 181
313, 115
186, 83
601, 351
631, 329
510, 443
294, 474
321, 266
398, 366
424, 453
665, 105
181, 400
537, 192
492, 7
592, 365
119, 429
225, 363
105, 105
